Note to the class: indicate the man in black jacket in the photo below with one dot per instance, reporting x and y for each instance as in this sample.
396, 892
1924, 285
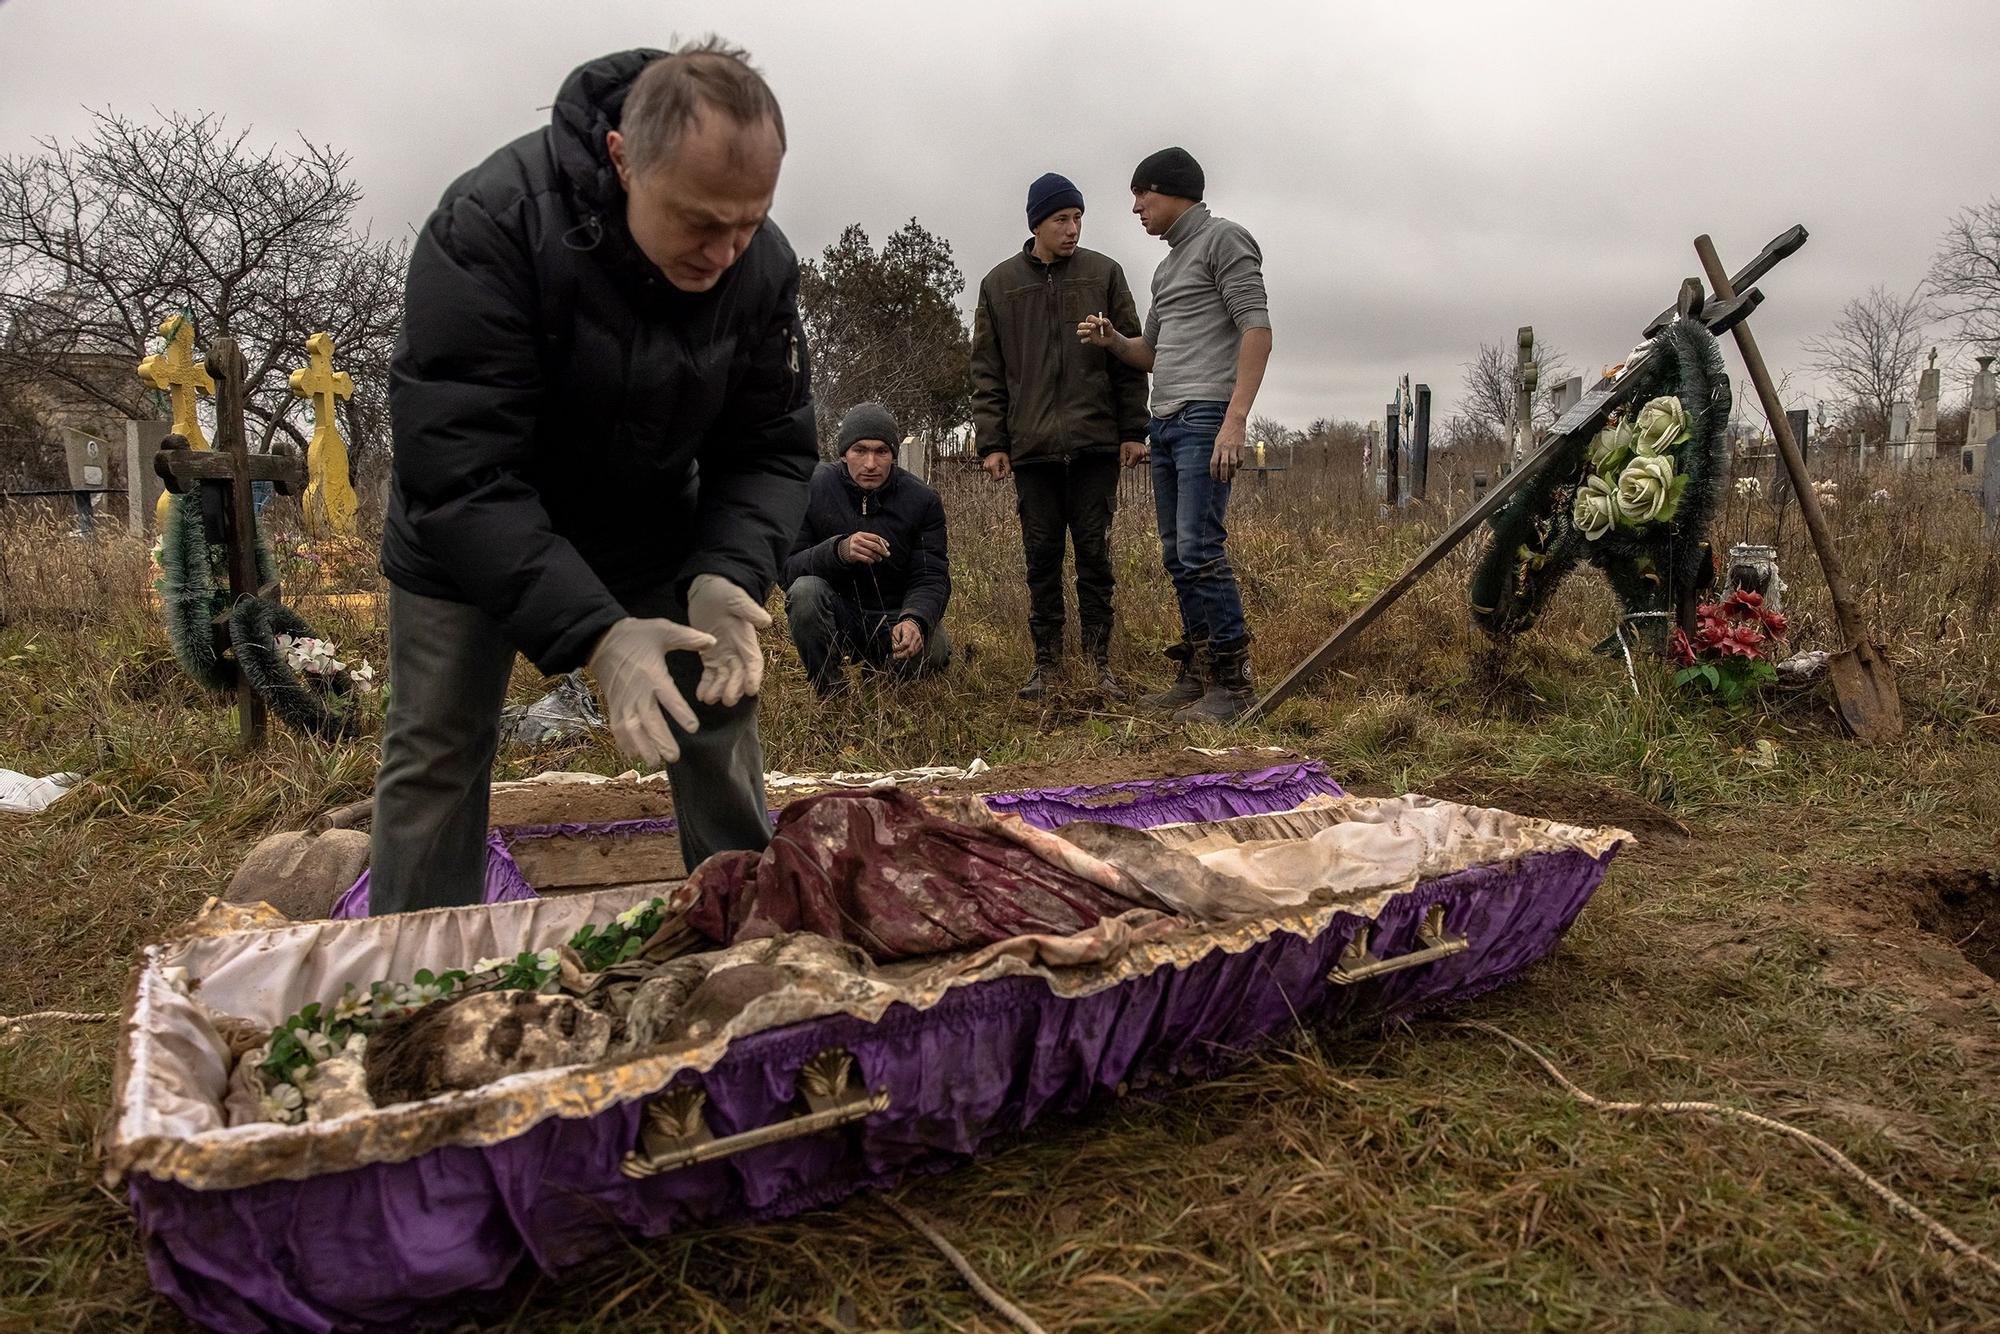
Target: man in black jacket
869, 574
1058, 417
603, 434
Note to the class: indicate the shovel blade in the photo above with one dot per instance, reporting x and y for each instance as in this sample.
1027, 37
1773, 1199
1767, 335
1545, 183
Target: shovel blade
1864, 690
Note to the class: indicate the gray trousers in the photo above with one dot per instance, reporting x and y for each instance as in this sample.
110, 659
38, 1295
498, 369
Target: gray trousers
448, 670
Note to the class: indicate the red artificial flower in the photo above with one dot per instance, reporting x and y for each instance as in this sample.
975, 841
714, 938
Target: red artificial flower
1679, 651
1775, 622
1743, 641
1742, 605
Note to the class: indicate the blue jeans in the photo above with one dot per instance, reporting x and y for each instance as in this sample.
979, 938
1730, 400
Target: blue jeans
1190, 506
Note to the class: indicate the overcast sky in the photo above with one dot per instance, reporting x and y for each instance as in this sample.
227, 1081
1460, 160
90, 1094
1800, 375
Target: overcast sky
1422, 176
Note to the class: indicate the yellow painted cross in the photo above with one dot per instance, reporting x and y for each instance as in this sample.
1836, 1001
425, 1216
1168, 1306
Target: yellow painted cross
330, 502
184, 379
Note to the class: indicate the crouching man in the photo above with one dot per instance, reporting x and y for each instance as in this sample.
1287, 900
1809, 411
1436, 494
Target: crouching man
869, 576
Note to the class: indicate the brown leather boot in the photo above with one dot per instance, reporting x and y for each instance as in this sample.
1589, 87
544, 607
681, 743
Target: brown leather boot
1187, 686
1228, 692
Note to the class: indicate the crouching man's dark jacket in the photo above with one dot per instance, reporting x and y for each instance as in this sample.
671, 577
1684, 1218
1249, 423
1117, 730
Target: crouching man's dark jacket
569, 428
915, 579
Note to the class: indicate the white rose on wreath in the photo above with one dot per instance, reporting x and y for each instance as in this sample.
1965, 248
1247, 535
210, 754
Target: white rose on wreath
1645, 489
1596, 508
1660, 427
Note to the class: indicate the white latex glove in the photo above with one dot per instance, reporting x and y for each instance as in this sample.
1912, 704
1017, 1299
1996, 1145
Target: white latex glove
630, 664
732, 666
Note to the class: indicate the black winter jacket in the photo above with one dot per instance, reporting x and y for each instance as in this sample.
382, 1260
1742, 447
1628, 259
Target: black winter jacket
914, 580
1037, 393
569, 428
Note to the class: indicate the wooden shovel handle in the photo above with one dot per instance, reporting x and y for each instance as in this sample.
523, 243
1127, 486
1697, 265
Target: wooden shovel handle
1788, 449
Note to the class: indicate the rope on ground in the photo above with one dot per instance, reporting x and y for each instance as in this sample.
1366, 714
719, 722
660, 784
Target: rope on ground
13, 1021
1840, 1160
1013, 1314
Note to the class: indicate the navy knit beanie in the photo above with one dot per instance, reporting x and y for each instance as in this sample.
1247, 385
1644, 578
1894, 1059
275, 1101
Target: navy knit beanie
869, 421
1171, 171
1051, 194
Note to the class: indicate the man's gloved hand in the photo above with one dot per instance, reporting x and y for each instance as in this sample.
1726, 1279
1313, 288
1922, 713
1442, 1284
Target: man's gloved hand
732, 666
630, 664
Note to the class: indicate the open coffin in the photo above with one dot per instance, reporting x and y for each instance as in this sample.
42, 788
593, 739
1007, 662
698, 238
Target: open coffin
840, 1074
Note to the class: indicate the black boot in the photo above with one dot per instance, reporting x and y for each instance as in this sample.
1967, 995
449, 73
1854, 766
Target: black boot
1097, 646
1186, 688
1042, 681
1228, 692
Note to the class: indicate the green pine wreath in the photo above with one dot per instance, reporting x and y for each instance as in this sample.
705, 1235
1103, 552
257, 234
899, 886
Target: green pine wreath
194, 590
1536, 542
254, 626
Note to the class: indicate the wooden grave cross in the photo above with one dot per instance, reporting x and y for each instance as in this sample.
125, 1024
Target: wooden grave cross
222, 480
1717, 314
330, 503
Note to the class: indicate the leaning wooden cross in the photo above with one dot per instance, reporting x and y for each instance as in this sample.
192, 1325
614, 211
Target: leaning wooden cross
221, 481
1718, 313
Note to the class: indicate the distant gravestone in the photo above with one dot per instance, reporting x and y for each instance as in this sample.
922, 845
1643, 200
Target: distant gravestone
1526, 374
89, 463
1566, 395
1923, 436
1899, 432
1420, 445
1781, 480
143, 486
1392, 450
1983, 421
1989, 484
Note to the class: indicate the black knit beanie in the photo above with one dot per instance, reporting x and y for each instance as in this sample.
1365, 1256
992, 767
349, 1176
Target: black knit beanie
869, 421
1171, 171
1051, 194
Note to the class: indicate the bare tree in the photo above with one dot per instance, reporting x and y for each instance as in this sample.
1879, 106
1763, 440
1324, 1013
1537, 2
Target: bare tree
1492, 378
1964, 279
1872, 352
103, 238
884, 326
1271, 431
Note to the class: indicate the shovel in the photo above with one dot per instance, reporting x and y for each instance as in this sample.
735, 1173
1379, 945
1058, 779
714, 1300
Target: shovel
1864, 685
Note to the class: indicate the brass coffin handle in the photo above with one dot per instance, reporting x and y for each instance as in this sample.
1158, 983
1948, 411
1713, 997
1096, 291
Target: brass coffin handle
674, 1133
1357, 964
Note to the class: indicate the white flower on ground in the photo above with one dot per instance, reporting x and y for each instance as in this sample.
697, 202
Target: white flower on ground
1643, 489
1749, 487
1660, 426
363, 677
1596, 508
1879, 497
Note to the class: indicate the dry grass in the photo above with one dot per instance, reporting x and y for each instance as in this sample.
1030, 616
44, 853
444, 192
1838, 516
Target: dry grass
1768, 956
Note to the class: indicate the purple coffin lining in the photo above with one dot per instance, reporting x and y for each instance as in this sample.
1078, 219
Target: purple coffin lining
1154, 801
386, 1244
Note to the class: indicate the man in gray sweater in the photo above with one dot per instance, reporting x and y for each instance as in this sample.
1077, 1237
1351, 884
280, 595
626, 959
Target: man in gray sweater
1207, 339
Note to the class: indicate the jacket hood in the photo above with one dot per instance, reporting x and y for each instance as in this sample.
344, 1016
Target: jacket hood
587, 108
